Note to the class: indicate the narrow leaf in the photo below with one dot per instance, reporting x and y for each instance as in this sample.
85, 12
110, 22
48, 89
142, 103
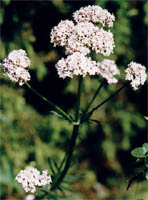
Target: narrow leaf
55, 113
51, 166
55, 164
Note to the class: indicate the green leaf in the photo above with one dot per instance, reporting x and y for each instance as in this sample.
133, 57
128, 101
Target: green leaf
139, 152
51, 166
55, 164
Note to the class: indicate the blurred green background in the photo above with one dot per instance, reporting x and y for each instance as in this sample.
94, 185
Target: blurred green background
31, 134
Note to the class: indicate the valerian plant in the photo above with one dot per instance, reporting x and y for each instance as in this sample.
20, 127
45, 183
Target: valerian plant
86, 33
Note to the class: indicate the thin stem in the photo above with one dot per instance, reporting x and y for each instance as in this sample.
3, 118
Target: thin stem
94, 97
58, 109
77, 112
103, 102
72, 141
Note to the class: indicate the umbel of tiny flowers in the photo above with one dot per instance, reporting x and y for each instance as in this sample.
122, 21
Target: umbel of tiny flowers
30, 178
80, 38
14, 66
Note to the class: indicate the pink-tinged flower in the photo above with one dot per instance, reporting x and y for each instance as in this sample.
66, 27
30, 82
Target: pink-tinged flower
80, 38
76, 64
14, 66
94, 14
31, 177
60, 33
108, 69
136, 73
103, 42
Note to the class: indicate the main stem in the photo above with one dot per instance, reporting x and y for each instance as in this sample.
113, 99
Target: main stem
76, 125
58, 109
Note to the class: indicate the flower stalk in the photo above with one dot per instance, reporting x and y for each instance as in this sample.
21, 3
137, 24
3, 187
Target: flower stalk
94, 97
88, 115
57, 108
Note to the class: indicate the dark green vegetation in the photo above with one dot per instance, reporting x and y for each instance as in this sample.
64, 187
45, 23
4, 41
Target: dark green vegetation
31, 134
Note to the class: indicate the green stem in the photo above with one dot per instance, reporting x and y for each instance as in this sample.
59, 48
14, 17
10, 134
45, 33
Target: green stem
76, 125
77, 112
88, 115
94, 97
58, 109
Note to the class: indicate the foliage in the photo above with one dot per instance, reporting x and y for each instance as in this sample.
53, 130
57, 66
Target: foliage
141, 153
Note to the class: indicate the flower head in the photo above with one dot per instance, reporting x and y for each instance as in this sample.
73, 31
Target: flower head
80, 38
14, 66
94, 14
31, 177
108, 69
76, 64
136, 73
103, 42
60, 33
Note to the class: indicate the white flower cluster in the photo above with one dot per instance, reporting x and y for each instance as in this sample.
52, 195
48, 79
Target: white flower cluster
78, 39
31, 177
136, 73
76, 64
103, 42
85, 36
108, 69
14, 66
61, 32
94, 14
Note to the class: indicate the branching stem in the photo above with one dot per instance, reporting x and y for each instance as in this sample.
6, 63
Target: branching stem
94, 97
88, 115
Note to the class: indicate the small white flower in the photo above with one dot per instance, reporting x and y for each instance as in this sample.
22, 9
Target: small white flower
14, 66
108, 69
136, 73
31, 177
